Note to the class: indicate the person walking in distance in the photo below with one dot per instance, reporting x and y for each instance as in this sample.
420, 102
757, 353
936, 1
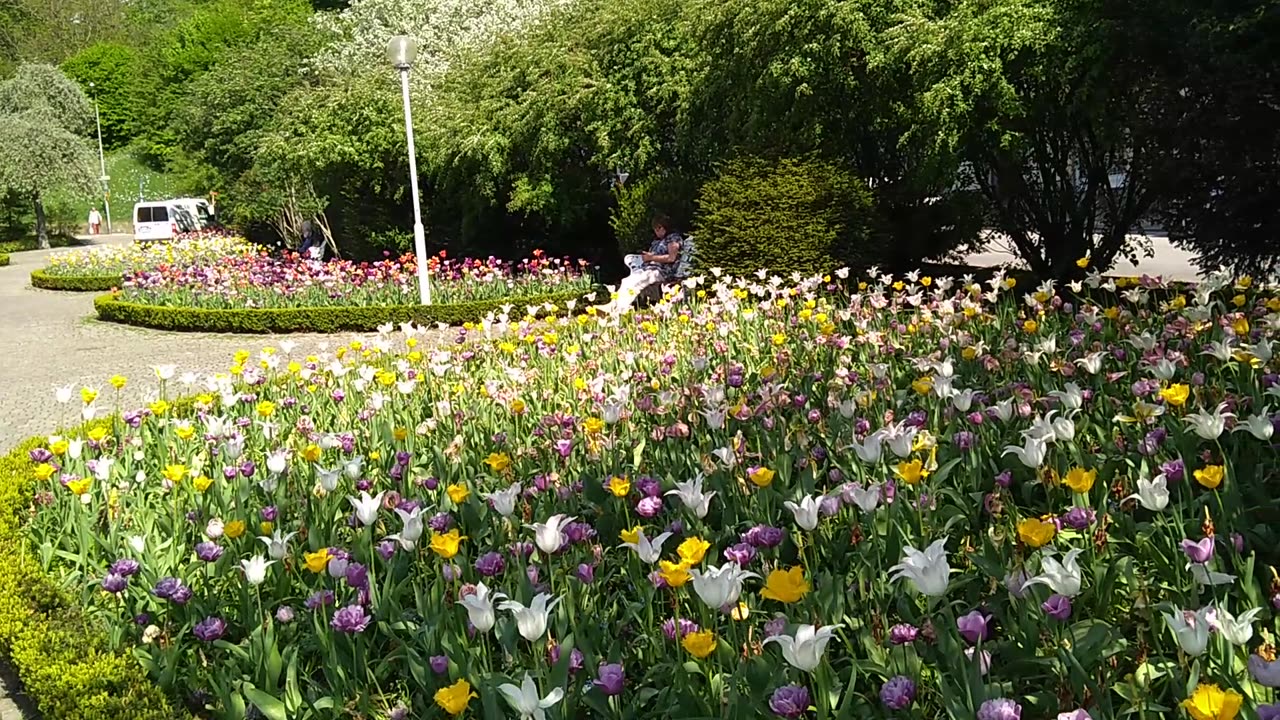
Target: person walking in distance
95, 222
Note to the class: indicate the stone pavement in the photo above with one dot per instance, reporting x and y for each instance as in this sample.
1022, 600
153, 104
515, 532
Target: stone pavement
1167, 261
52, 339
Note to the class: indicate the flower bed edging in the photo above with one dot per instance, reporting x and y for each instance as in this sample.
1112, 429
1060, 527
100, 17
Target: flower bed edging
312, 319
74, 283
61, 658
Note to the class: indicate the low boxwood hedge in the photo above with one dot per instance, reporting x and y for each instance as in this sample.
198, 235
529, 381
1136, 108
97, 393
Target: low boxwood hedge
4, 259
75, 283
61, 657
312, 319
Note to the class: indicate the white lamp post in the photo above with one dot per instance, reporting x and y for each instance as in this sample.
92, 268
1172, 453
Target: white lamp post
401, 52
102, 162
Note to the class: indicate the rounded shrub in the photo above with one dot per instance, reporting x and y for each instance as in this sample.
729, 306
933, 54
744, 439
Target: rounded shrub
313, 319
75, 283
4, 259
801, 214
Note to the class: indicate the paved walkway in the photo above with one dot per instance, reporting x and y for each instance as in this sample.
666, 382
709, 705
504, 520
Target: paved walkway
52, 339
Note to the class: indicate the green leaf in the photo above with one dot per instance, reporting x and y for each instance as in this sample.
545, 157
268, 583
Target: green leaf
269, 705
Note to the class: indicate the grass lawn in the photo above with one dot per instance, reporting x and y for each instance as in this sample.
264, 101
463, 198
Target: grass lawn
129, 177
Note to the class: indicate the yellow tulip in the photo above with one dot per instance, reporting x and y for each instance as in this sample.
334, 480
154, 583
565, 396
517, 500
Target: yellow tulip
458, 493
1080, 480
693, 550
700, 644
1209, 702
446, 545
618, 486
454, 698
1210, 476
786, 586
1036, 533
317, 561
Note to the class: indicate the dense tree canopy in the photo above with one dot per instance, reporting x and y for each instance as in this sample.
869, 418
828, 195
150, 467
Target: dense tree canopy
1064, 125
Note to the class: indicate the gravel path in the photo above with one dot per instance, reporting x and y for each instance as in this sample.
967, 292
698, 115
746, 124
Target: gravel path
52, 339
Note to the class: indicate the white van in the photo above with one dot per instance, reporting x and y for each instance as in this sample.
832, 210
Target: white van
196, 210
155, 221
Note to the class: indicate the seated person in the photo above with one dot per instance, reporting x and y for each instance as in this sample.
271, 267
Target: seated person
658, 265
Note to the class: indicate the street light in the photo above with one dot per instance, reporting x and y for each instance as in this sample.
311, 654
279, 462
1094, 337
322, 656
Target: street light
102, 161
401, 52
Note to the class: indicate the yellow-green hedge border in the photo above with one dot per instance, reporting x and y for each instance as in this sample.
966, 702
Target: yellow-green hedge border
312, 319
75, 283
60, 656
4, 259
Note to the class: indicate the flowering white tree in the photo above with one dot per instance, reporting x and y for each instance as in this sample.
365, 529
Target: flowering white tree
442, 29
42, 117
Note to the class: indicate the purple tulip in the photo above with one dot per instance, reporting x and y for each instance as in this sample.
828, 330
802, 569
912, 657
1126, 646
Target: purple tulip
1004, 479
210, 629
1078, 518
610, 678
357, 575
181, 595
1057, 607
1269, 712
775, 627
491, 564
1000, 709
319, 599
898, 693
742, 554
763, 536
439, 664
350, 619
674, 629
586, 573
208, 551
903, 634
790, 701
125, 567
974, 627
1266, 673
114, 583
1199, 552
649, 506
284, 615
1174, 471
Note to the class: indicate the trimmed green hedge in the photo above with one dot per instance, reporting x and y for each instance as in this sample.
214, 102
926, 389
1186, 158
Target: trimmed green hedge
311, 319
75, 283
4, 259
61, 657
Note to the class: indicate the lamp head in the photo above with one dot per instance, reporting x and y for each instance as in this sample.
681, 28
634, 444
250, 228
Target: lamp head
402, 50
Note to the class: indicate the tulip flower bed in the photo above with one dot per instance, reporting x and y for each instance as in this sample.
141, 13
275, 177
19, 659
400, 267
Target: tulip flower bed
265, 282
927, 499
103, 267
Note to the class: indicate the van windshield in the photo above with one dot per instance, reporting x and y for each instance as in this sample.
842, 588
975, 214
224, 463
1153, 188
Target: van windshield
152, 213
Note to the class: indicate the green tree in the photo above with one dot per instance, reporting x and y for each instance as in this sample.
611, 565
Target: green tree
112, 70
43, 118
1218, 165
1045, 100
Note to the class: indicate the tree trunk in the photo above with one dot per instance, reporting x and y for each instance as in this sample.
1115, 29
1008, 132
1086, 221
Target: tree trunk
42, 227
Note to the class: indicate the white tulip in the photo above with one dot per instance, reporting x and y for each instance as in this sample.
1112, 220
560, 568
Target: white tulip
102, 468
525, 701
1209, 425
277, 544
328, 477
804, 651
366, 507
255, 569
1236, 630
479, 606
1163, 369
1003, 410
504, 501
549, 536
166, 372
353, 468
870, 449
63, 394
647, 550
278, 462
1064, 429
138, 543
868, 498
928, 571
899, 437
1152, 494
213, 530
806, 513
1030, 454
691, 494
1191, 629
962, 400
720, 586
726, 456
411, 532
531, 621
1092, 363
1063, 578
1259, 425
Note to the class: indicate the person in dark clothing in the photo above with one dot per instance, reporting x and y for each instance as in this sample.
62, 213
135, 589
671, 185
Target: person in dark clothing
657, 265
312, 244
